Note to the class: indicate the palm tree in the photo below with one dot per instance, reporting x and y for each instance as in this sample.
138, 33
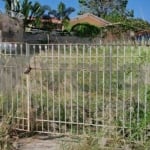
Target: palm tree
33, 11
36, 12
25, 10
12, 5
28, 9
62, 12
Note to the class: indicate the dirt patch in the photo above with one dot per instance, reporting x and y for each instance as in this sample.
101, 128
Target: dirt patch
37, 143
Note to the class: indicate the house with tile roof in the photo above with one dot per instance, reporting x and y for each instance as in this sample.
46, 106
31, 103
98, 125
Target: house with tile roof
91, 19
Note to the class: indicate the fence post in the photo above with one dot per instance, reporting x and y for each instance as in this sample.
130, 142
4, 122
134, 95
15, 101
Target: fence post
28, 100
28, 91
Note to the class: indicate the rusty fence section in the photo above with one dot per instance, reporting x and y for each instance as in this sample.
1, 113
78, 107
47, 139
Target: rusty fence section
77, 89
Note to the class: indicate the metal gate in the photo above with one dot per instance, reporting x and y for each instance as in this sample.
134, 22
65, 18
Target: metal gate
13, 85
78, 89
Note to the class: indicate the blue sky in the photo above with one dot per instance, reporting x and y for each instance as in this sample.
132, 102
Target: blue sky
141, 7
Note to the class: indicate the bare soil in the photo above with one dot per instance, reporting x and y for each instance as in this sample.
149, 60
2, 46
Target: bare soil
38, 143
42, 142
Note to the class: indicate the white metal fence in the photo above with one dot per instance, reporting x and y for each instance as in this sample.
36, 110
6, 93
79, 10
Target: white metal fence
77, 89
13, 90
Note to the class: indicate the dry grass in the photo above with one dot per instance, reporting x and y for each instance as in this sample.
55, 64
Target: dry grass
6, 130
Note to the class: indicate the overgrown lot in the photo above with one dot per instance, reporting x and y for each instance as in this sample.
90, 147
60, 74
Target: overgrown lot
89, 90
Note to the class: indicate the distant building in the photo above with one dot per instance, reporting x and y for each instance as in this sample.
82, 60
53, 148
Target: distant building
56, 22
51, 23
89, 18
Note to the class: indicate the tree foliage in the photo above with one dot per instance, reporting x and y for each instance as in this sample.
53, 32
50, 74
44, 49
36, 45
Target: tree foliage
104, 8
138, 24
85, 30
29, 10
62, 11
116, 12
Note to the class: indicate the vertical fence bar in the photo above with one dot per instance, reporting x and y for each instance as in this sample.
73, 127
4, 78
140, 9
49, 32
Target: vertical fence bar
17, 96
1, 96
41, 89
59, 90
90, 87
110, 85
21, 49
28, 91
1, 93
28, 100
77, 88
27, 50
21, 88
12, 97
138, 90
146, 82
47, 89
104, 57
71, 91
7, 77
83, 78
131, 91
117, 82
35, 60
124, 89
65, 89
53, 93
96, 71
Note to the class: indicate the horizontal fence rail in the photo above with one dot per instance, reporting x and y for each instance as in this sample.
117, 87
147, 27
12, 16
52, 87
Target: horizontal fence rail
77, 89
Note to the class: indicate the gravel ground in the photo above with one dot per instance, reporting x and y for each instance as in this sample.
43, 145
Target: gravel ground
38, 143
44, 143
